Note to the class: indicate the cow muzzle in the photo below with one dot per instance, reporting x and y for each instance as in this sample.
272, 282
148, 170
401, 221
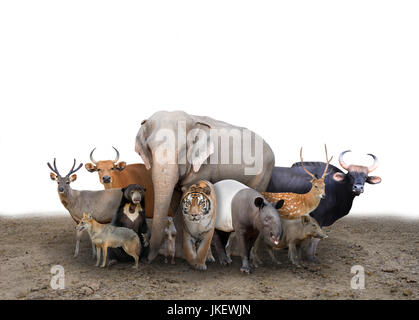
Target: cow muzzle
106, 179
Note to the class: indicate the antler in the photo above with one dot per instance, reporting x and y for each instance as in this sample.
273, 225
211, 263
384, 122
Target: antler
302, 163
55, 170
72, 168
117, 155
91, 157
341, 162
327, 162
374, 166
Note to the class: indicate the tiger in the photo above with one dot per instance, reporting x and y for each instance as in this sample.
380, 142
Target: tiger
199, 209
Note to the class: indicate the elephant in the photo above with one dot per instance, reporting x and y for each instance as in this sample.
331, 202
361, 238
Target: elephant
181, 149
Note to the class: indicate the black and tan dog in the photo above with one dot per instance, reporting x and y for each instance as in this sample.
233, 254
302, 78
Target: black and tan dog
131, 214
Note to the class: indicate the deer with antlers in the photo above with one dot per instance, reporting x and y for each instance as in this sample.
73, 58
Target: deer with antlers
295, 204
101, 204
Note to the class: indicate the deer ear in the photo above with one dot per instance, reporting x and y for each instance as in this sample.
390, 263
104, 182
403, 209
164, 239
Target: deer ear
53, 176
121, 165
305, 220
90, 167
73, 178
373, 180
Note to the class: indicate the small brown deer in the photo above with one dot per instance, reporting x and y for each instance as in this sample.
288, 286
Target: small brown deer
295, 204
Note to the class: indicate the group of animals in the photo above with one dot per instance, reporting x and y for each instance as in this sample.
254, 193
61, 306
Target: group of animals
197, 205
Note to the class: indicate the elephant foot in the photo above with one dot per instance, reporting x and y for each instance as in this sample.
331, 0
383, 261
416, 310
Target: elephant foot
312, 259
152, 255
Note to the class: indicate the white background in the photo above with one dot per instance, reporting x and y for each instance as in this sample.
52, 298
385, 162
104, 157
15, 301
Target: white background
80, 74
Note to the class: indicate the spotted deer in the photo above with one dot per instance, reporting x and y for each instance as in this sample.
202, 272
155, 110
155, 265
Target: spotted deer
295, 204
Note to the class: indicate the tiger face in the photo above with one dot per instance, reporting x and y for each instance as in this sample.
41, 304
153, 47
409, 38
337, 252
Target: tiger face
196, 203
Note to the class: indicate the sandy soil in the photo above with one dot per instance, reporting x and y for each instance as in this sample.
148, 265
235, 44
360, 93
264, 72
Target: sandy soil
386, 247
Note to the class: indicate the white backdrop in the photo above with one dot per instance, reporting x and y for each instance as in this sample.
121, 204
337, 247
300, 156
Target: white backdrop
80, 74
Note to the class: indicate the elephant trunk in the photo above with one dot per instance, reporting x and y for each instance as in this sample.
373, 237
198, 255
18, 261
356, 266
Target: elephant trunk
164, 178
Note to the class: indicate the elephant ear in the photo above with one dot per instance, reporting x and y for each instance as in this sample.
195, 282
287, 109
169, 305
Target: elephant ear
200, 145
141, 146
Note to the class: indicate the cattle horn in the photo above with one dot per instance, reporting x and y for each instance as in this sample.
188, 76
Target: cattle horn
374, 166
327, 162
302, 164
91, 157
117, 155
341, 162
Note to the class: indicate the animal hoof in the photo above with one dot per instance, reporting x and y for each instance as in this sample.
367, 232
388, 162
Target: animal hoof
173, 262
135, 267
246, 270
312, 259
112, 262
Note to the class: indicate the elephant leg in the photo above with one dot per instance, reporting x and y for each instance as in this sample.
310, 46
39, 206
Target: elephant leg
164, 181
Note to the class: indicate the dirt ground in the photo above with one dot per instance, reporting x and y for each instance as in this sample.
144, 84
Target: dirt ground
387, 248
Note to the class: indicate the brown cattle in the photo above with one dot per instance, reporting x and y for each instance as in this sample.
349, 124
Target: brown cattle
114, 174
